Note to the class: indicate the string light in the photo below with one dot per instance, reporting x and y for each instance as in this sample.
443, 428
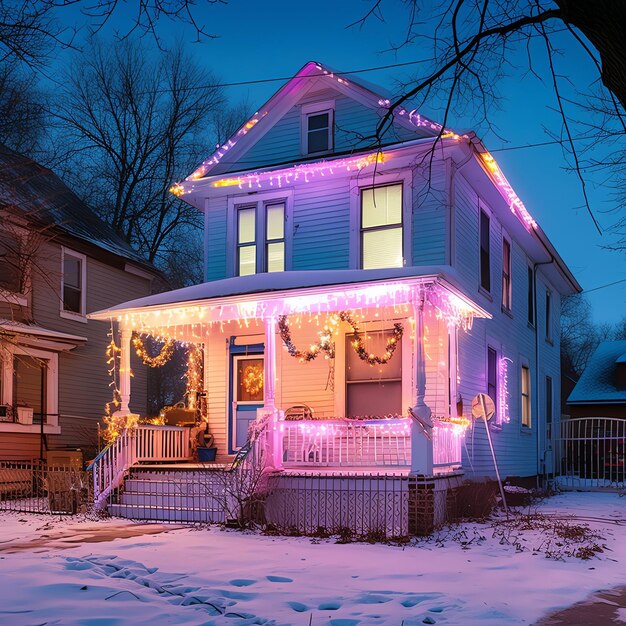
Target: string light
503, 400
508, 193
165, 354
193, 375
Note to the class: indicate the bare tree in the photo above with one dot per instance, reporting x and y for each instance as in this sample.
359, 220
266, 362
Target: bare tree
472, 44
134, 123
30, 30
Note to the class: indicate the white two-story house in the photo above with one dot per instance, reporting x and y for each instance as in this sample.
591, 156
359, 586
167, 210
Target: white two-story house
363, 296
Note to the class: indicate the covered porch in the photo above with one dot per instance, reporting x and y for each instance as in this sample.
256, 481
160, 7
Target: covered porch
341, 371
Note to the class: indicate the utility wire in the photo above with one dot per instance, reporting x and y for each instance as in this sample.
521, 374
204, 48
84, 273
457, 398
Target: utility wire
616, 282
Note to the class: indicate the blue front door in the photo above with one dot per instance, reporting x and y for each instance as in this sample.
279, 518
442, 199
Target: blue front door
246, 394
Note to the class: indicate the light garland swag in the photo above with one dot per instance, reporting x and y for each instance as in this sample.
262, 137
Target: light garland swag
165, 354
326, 343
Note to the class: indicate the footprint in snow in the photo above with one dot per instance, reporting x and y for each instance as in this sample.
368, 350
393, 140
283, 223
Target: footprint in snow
343, 622
279, 579
242, 582
298, 607
330, 605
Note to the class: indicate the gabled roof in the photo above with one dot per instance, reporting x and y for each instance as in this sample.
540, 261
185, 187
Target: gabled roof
598, 384
362, 91
40, 195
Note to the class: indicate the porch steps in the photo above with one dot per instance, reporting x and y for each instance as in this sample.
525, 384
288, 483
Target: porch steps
171, 495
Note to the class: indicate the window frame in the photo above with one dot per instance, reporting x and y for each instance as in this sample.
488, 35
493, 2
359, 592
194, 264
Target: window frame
491, 349
79, 316
548, 315
525, 398
259, 202
530, 296
482, 211
269, 241
51, 385
247, 244
14, 297
394, 226
549, 398
359, 181
507, 303
312, 109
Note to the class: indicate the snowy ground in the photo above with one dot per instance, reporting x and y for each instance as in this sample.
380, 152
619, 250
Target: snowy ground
61, 571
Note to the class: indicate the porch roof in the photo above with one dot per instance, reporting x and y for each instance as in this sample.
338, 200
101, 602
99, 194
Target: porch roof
56, 339
271, 294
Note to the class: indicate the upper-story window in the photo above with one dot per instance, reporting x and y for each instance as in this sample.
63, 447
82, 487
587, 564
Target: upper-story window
531, 296
260, 238
381, 227
318, 127
11, 276
548, 315
74, 284
485, 256
506, 274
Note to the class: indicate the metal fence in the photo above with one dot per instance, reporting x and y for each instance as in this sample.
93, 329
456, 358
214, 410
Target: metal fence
36, 487
591, 453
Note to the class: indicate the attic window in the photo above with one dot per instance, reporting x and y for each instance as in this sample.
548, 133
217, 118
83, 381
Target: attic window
317, 127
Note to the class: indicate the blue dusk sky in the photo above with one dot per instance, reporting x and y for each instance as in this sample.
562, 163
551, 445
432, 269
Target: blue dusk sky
273, 39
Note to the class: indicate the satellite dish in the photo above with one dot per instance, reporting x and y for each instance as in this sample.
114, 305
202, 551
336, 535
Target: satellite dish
483, 407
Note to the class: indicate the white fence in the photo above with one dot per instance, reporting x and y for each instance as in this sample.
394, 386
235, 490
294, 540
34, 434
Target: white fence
142, 443
591, 454
364, 443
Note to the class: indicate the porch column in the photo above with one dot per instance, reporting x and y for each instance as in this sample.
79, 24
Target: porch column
269, 378
274, 433
421, 424
125, 347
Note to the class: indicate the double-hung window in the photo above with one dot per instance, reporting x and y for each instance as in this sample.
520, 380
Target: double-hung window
549, 408
275, 237
73, 286
492, 374
382, 229
548, 315
246, 240
11, 278
260, 238
526, 406
506, 274
485, 255
531, 296
318, 131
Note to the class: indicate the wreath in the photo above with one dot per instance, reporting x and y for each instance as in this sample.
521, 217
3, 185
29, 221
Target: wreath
165, 354
252, 379
326, 343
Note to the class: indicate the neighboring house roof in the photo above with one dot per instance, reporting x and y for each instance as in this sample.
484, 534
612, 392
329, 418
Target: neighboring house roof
598, 383
62, 341
40, 194
287, 281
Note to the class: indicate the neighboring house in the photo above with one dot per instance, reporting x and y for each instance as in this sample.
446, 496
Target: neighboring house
412, 270
58, 262
601, 390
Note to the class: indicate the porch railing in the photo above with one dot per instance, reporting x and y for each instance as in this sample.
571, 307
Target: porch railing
142, 443
347, 443
365, 443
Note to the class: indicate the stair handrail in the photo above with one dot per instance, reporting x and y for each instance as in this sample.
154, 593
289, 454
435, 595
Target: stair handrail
111, 466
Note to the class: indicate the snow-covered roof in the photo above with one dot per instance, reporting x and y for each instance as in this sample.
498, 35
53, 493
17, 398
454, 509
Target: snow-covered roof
11, 327
285, 282
39, 194
598, 382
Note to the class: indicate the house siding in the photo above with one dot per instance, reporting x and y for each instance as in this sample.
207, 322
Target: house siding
83, 380
355, 125
517, 449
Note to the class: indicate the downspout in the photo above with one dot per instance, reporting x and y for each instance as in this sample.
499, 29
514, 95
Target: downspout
536, 394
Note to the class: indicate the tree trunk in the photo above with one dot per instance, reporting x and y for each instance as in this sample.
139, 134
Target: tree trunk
603, 23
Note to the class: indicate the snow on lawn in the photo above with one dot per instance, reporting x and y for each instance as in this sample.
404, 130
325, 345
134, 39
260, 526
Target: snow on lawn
216, 577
